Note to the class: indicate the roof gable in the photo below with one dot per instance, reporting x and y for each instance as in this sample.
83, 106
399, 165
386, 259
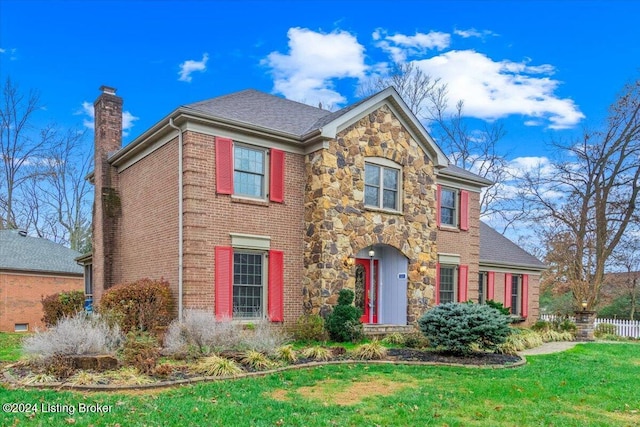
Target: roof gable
26, 253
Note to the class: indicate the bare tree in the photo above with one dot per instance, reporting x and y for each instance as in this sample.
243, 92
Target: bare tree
42, 182
471, 148
627, 258
589, 197
20, 146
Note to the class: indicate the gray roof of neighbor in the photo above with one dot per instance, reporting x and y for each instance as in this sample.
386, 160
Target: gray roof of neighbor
497, 249
28, 253
271, 112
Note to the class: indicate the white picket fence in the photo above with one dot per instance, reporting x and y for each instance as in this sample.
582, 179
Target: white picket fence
624, 328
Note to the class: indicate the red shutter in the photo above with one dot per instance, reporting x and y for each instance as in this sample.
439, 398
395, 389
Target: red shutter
437, 287
491, 285
224, 165
464, 210
525, 295
507, 290
438, 197
276, 170
275, 293
463, 278
224, 282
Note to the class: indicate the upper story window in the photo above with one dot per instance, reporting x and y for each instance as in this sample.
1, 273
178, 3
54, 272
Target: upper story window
249, 171
448, 207
382, 186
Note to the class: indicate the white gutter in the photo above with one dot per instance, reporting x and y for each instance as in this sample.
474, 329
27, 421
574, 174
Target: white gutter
180, 218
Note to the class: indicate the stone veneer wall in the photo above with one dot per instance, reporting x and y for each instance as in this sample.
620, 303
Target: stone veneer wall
338, 225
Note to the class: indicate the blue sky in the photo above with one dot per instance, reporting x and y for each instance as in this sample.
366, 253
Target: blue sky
545, 68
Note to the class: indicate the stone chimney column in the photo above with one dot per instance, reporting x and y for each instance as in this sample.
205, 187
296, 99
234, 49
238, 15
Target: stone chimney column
106, 207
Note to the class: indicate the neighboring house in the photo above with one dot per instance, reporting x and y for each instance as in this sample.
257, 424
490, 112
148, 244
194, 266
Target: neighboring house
254, 206
32, 268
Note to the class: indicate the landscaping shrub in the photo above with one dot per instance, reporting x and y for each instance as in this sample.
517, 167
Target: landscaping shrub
498, 306
416, 340
395, 338
542, 326
317, 353
370, 351
217, 367
143, 305
564, 325
287, 354
263, 337
343, 323
62, 304
141, 351
77, 335
200, 334
309, 327
457, 327
604, 330
520, 339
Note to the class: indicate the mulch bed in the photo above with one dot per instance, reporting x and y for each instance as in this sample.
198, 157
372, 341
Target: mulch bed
407, 354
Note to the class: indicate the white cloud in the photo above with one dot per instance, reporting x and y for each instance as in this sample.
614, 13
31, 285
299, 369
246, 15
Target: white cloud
314, 60
472, 32
2, 50
87, 110
400, 46
496, 89
190, 66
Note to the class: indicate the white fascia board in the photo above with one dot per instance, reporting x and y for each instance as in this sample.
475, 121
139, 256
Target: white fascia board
390, 97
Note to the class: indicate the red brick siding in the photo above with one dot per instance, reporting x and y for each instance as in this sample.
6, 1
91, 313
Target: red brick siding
21, 295
466, 244
148, 231
534, 294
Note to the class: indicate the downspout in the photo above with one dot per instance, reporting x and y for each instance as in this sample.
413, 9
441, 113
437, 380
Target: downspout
180, 218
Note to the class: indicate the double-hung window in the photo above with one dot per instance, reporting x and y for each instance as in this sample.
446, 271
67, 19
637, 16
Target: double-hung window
448, 283
482, 287
249, 171
448, 207
516, 298
382, 186
248, 285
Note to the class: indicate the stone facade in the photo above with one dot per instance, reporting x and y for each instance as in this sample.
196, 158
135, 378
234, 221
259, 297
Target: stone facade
338, 224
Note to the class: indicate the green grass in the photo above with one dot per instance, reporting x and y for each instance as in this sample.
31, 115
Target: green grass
590, 385
10, 346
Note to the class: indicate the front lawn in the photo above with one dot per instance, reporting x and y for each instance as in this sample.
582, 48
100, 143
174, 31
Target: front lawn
592, 384
10, 346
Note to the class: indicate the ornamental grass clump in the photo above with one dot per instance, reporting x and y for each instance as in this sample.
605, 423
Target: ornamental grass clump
317, 353
370, 351
257, 360
287, 354
216, 366
201, 334
458, 328
82, 334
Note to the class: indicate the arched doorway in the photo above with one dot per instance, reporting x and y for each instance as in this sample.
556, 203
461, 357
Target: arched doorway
381, 285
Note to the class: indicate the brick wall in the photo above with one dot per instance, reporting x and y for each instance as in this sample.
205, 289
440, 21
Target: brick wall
466, 244
148, 229
21, 295
534, 294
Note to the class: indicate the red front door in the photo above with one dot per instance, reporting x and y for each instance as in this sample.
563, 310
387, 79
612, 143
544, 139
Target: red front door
367, 293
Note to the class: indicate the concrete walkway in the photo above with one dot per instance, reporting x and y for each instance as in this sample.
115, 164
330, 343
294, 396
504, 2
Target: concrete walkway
549, 347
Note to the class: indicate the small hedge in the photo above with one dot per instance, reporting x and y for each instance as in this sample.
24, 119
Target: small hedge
458, 328
343, 323
143, 305
62, 304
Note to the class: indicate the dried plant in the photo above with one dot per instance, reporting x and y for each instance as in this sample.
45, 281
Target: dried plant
216, 366
370, 351
77, 335
286, 353
201, 333
256, 360
317, 353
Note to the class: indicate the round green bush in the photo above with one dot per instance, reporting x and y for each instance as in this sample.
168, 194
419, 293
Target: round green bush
457, 328
343, 323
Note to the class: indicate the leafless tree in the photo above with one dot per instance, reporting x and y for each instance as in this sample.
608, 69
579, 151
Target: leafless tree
42, 182
471, 148
627, 258
589, 196
20, 146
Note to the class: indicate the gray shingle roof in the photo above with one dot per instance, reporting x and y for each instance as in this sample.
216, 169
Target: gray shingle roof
257, 108
458, 172
28, 253
497, 249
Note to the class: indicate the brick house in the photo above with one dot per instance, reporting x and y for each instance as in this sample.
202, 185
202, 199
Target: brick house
255, 206
31, 268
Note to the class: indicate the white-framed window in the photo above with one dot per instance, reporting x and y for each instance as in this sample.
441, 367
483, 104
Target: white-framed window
382, 184
249, 287
483, 280
516, 295
448, 283
249, 171
88, 280
21, 327
449, 207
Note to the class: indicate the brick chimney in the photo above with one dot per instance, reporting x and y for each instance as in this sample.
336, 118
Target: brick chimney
106, 208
